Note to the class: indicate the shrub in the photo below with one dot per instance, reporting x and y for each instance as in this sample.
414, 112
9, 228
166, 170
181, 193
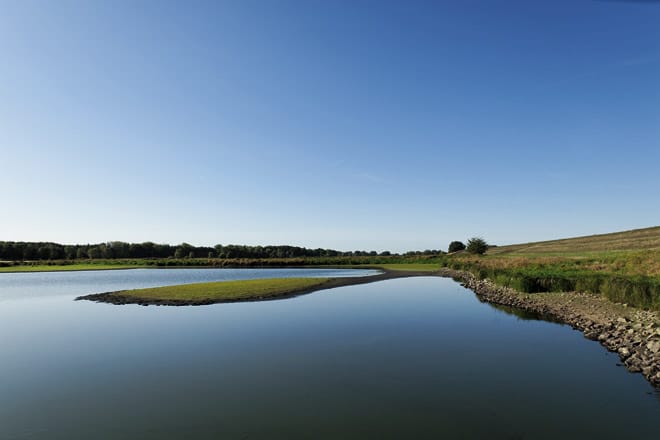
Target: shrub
456, 246
477, 245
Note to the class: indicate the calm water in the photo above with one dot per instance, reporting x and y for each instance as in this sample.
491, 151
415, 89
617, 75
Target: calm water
406, 358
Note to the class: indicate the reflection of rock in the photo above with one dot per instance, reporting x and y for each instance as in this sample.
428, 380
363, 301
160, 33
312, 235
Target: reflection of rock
591, 334
635, 336
525, 315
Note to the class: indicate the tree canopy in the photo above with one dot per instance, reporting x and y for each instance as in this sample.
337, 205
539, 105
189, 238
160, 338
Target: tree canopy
477, 245
456, 246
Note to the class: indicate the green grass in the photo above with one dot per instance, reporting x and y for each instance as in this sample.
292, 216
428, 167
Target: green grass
623, 266
227, 290
67, 267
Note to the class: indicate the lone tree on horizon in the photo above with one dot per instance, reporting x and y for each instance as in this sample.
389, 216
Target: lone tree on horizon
456, 246
477, 245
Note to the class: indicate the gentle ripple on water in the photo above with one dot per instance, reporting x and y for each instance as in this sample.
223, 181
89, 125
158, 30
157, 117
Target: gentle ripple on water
38, 284
406, 358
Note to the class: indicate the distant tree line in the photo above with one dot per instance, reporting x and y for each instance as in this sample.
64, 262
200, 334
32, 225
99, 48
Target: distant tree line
28, 251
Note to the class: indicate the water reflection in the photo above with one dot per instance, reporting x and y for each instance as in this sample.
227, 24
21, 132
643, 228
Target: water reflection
521, 314
406, 358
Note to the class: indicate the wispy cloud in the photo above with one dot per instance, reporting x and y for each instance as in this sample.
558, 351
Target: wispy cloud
368, 177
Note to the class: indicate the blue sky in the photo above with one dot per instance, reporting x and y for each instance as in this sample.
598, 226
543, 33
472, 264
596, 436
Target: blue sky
349, 125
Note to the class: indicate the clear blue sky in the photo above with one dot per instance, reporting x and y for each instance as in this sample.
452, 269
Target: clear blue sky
349, 125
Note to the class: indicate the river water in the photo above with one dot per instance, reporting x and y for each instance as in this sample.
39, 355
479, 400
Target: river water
403, 358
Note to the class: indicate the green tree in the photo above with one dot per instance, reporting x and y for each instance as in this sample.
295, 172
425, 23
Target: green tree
81, 253
94, 252
456, 246
70, 252
43, 253
184, 250
477, 245
55, 251
29, 252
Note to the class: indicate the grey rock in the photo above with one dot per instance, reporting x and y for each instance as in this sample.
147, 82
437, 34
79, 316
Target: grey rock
653, 346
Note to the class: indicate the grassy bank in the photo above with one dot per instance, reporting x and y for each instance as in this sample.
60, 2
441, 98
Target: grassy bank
624, 267
417, 267
67, 267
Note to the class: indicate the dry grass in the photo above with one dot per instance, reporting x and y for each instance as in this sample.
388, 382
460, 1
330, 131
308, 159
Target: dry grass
637, 239
623, 266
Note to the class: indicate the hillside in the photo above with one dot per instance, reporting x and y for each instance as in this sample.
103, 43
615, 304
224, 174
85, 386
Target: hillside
622, 266
634, 240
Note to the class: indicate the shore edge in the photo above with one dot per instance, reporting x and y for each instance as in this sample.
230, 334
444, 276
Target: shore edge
632, 333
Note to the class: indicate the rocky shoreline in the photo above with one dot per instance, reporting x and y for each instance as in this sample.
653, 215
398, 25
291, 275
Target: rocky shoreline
632, 333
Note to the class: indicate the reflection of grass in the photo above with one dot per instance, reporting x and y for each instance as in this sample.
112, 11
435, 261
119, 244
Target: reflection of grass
227, 290
624, 267
421, 267
67, 267
523, 314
